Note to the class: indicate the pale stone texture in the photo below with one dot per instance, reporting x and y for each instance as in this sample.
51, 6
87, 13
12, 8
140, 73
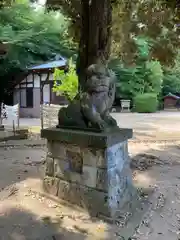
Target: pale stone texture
49, 113
49, 166
95, 178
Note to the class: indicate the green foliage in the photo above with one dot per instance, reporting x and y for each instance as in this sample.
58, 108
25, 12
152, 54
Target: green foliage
66, 84
32, 36
153, 19
145, 76
171, 83
143, 47
146, 103
154, 77
171, 80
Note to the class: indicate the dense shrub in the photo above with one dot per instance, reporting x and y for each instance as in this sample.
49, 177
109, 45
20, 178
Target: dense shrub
146, 103
144, 76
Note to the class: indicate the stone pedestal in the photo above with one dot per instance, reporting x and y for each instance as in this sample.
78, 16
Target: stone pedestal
89, 169
1, 127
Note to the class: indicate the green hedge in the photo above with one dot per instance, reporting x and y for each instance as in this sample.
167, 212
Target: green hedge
146, 103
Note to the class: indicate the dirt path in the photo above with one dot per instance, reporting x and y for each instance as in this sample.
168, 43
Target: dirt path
27, 214
162, 221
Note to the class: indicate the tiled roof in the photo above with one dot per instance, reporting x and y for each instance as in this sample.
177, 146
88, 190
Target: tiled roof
48, 65
172, 95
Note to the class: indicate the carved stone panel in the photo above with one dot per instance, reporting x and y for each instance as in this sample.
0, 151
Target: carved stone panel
75, 162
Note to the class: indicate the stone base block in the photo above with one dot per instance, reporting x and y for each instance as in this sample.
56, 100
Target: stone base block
23, 133
1, 127
91, 170
94, 201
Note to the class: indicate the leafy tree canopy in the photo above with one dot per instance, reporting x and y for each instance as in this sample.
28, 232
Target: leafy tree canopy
145, 76
155, 19
32, 36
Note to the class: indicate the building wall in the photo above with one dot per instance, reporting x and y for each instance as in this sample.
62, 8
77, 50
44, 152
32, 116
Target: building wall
29, 112
19, 96
169, 102
35, 111
46, 97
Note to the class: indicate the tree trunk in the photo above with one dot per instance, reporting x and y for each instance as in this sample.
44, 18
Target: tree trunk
95, 39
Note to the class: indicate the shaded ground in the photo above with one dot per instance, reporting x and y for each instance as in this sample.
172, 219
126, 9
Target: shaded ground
27, 213
163, 218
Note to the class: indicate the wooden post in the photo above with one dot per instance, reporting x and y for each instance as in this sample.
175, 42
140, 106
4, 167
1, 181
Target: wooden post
41, 98
42, 125
18, 112
14, 130
0, 114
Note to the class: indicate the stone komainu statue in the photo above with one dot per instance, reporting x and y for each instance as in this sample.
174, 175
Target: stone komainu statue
90, 110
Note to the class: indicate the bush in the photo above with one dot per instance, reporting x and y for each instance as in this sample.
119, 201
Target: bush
66, 84
146, 103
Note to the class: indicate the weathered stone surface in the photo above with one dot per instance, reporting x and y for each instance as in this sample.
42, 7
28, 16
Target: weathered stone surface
101, 160
51, 185
49, 113
89, 157
95, 178
75, 161
102, 179
108, 179
94, 201
62, 170
87, 139
73, 148
65, 192
94, 157
49, 166
57, 150
89, 176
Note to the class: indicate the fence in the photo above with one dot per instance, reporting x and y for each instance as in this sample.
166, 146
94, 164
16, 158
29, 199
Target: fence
49, 115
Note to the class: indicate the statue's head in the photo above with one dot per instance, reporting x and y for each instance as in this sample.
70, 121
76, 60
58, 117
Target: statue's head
99, 78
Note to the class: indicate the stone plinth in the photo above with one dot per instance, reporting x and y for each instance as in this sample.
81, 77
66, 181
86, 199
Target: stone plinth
1, 127
89, 169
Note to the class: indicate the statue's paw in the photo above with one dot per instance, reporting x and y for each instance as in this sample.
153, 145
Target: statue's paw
102, 126
111, 121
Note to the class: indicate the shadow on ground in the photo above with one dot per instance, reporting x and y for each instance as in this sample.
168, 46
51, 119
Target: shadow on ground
18, 224
18, 164
157, 153
23, 225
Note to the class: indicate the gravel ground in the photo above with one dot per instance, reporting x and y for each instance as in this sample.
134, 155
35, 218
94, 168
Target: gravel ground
26, 213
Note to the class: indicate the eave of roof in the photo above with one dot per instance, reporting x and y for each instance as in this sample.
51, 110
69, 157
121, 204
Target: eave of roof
50, 65
172, 95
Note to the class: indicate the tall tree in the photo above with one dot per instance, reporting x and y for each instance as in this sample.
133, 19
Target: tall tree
95, 37
154, 19
94, 19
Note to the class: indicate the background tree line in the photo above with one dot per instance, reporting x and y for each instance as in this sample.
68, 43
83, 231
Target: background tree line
145, 41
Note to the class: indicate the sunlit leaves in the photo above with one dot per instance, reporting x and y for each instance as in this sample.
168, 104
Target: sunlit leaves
66, 84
